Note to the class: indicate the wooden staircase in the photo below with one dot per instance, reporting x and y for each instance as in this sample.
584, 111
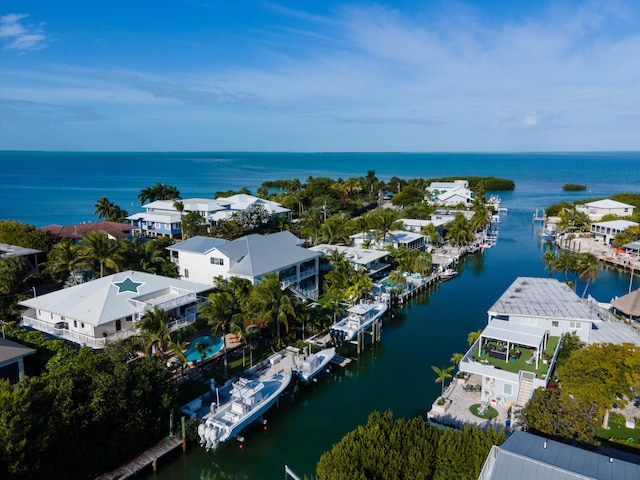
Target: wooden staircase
526, 387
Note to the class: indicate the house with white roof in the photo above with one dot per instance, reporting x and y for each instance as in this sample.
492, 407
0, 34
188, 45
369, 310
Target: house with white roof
525, 455
203, 259
450, 193
108, 308
162, 218
606, 231
29, 255
394, 238
518, 348
598, 209
364, 259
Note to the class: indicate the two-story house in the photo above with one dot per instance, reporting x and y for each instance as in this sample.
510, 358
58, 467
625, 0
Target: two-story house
203, 259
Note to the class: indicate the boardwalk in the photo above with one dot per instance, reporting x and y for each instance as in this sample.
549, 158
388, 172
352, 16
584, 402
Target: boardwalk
143, 461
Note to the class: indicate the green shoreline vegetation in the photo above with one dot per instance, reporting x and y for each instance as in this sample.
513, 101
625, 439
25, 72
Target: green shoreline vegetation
104, 402
573, 187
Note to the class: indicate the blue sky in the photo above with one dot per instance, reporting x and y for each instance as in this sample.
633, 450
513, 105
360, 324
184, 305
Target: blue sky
319, 75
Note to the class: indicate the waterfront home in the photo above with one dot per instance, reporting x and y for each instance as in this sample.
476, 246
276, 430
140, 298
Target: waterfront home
163, 219
364, 259
394, 238
518, 348
203, 259
450, 193
108, 309
416, 224
78, 231
29, 255
598, 209
606, 231
12, 360
444, 216
542, 458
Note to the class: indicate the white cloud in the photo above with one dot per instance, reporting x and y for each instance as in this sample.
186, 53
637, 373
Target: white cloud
20, 36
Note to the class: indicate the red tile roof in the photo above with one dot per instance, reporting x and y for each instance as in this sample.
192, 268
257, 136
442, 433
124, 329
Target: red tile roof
80, 230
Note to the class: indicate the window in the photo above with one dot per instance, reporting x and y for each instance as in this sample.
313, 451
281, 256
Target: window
186, 273
118, 325
555, 323
217, 261
576, 325
508, 389
82, 325
75, 324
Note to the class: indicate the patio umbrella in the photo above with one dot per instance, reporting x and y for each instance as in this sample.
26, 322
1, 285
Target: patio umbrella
628, 304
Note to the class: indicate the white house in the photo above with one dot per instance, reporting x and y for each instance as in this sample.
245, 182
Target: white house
597, 210
606, 231
203, 259
394, 238
162, 218
450, 193
108, 308
367, 259
519, 346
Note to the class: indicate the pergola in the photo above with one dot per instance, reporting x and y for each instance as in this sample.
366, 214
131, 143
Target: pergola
515, 334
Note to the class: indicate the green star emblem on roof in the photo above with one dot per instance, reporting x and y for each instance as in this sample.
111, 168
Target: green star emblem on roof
127, 285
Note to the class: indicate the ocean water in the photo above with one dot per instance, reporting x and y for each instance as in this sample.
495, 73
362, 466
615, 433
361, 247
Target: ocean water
44, 188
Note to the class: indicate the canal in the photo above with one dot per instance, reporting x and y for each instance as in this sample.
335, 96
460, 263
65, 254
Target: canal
396, 374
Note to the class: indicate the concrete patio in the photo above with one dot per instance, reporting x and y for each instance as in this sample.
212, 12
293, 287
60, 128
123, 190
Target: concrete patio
457, 413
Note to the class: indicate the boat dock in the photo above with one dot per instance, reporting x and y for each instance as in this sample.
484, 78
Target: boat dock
145, 460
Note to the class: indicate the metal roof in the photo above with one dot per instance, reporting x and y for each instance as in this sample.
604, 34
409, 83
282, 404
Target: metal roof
617, 224
613, 332
257, 255
608, 203
527, 456
104, 300
7, 250
198, 244
10, 351
543, 298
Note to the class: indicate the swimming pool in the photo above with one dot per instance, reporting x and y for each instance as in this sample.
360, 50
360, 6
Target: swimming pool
211, 344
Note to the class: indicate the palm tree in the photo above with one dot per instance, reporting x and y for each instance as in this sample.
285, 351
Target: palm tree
565, 263
442, 375
62, 259
397, 278
383, 221
97, 248
422, 263
154, 328
473, 336
456, 358
272, 304
223, 315
146, 194
549, 260
360, 284
104, 208
587, 265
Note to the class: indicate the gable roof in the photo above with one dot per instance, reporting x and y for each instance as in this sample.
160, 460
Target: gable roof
10, 351
542, 298
7, 250
550, 460
110, 298
81, 230
257, 255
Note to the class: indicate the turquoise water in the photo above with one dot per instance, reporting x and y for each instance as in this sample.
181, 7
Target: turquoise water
395, 374
212, 346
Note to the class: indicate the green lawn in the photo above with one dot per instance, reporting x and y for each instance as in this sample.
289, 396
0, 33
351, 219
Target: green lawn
618, 431
490, 413
520, 363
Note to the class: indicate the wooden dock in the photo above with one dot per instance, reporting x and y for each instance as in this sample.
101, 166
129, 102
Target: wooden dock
144, 461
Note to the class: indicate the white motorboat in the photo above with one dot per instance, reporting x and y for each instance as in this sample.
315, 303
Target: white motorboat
249, 400
448, 273
315, 363
359, 317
